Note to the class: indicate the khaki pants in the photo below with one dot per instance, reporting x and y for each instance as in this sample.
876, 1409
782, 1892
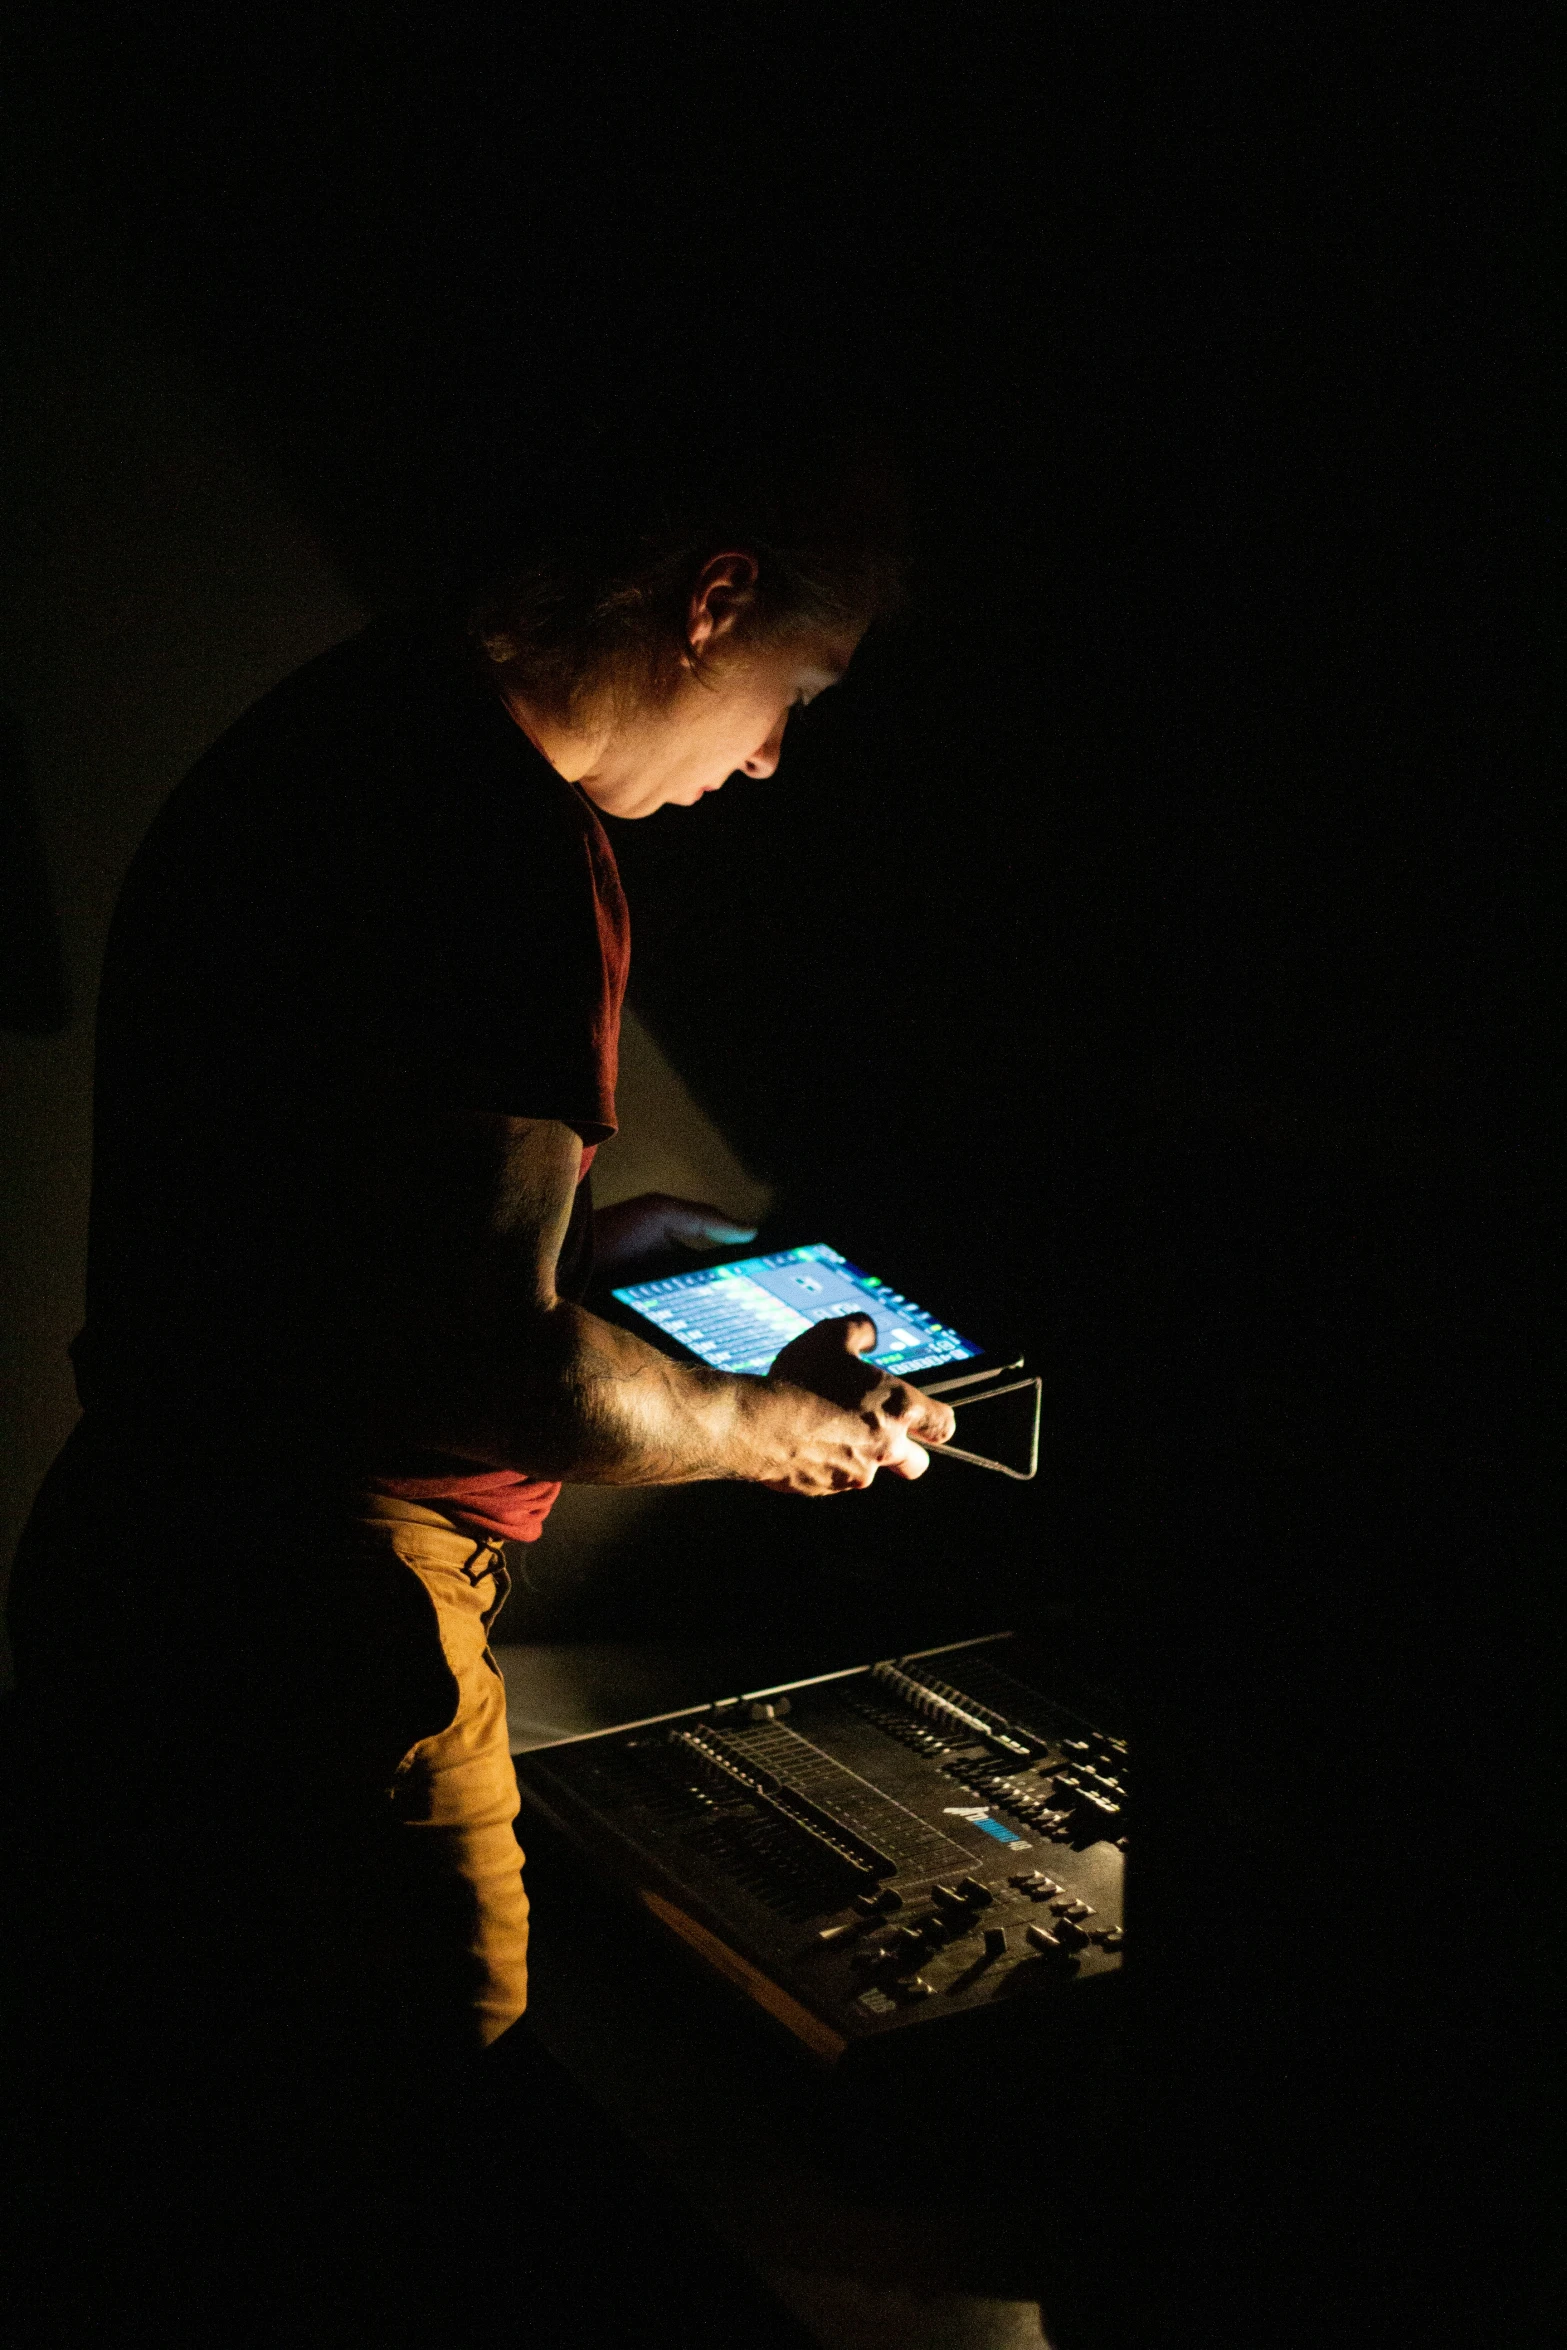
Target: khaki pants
262, 1840
453, 1795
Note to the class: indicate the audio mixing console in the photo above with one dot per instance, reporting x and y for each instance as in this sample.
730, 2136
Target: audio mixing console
931, 1838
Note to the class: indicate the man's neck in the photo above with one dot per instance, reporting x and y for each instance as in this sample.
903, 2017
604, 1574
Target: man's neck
570, 752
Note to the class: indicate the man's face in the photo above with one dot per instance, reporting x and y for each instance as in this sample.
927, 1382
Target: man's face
731, 723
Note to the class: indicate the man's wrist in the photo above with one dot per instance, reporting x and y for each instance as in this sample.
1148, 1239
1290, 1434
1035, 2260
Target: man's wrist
750, 1407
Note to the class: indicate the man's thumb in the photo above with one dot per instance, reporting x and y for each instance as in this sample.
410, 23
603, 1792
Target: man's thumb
707, 1228
859, 1334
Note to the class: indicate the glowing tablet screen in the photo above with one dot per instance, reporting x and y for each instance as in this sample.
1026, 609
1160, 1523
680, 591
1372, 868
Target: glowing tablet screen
737, 1316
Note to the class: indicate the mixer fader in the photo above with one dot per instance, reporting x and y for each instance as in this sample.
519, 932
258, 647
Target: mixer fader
932, 1837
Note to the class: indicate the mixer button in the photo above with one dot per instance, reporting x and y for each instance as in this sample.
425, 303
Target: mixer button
947, 1898
1113, 1937
865, 1903
972, 1890
995, 1941
830, 1934
1081, 1909
889, 1899
1044, 1941
1070, 1934
915, 1987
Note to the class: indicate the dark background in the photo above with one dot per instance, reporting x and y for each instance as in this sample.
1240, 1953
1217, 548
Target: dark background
1123, 960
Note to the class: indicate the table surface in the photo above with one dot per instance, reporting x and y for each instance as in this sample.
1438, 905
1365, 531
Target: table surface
866, 2256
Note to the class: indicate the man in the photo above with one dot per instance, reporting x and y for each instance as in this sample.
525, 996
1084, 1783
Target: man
357, 1038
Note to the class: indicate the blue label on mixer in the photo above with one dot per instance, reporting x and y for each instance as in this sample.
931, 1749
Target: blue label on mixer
978, 1817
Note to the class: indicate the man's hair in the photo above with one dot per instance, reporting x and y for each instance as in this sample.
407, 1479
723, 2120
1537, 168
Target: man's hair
587, 591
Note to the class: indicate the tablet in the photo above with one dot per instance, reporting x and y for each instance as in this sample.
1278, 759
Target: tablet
737, 1316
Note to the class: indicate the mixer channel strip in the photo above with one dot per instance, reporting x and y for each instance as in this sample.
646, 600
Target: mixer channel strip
933, 1838
788, 1800
901, 1839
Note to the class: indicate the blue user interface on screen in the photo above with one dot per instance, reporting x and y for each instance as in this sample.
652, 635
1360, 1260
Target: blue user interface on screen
737, 1316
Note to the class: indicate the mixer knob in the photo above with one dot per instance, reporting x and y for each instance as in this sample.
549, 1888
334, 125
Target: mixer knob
946, 1898
1044, 1941
995, 1941
832, 1934
972, 1890
889, 1899
1070, 1934
1099, 1807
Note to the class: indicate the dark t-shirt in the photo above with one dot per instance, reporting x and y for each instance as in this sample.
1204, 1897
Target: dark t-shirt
372, 901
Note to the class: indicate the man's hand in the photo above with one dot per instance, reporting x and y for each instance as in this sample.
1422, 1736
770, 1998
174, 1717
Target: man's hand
883, 1425
472, 1351
639, 1231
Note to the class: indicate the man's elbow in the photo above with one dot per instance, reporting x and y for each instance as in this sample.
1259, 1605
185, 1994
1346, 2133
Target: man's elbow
479, 1386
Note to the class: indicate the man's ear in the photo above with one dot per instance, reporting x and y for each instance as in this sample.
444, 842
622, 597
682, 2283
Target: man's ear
724, 589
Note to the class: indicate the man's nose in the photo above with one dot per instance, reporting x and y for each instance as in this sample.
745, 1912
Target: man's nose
764, 761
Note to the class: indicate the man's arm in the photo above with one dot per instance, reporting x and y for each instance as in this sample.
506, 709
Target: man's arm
481, 1357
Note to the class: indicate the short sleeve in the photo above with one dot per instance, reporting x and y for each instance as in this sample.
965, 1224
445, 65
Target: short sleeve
521, 970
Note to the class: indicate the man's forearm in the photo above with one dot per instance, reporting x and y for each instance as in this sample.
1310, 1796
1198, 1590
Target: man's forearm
569, 1395
466, 1347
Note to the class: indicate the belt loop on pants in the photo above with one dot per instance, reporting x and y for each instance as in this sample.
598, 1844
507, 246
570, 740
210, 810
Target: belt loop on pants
489, 1558
493, 1556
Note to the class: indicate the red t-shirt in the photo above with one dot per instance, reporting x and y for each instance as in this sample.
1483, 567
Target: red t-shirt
372, 898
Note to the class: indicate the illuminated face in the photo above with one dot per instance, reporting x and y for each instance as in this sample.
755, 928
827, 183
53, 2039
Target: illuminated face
729, 723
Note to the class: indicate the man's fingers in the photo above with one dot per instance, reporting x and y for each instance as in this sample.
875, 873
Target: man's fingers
910, 1463
925, 1415
698, 1227
859, 1332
